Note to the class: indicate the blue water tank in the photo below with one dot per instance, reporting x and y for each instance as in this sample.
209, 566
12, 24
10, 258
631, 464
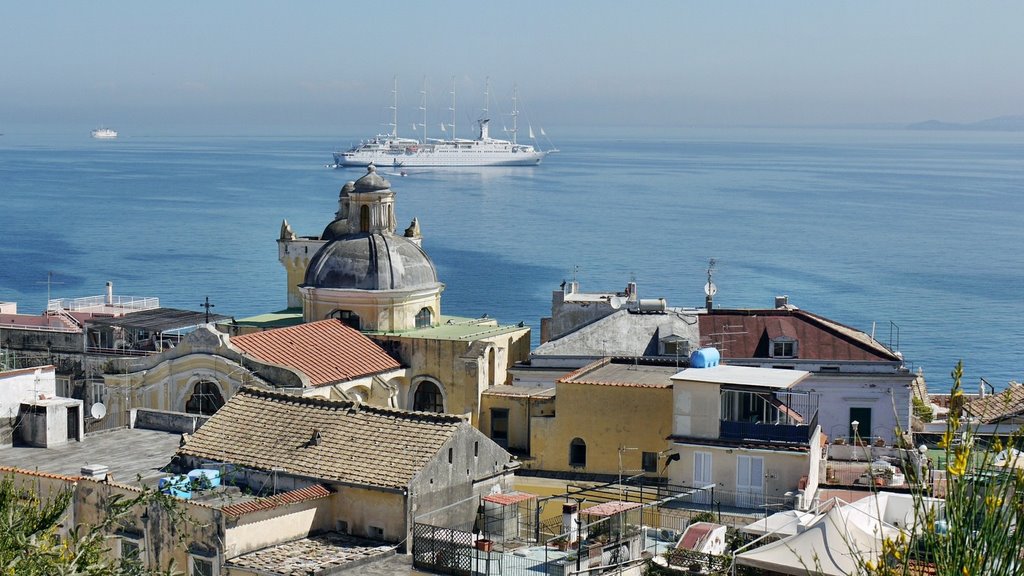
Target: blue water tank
705, 358
212, 477
177, 486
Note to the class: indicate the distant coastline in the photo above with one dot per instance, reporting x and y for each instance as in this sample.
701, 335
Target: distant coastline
999, 124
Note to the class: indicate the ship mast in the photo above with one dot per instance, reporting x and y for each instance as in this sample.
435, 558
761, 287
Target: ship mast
452, 108
394, 110
515, 113
486, 112
423, 109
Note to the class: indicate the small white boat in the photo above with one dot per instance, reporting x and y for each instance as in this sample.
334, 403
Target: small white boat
104, 133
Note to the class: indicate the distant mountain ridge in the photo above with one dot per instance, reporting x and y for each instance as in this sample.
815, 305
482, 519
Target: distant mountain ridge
1000, 123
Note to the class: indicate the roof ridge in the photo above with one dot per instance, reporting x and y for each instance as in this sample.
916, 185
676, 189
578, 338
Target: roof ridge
365, 408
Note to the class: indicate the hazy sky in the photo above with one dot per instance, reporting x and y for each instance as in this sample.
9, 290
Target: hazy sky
322, 65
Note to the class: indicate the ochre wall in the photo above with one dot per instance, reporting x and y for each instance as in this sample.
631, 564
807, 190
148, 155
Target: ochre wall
606, 418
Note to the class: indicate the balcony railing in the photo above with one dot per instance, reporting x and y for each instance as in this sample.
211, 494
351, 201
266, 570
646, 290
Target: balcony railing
793, 434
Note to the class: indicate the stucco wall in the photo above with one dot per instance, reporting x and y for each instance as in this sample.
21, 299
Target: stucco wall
282, 524
639, 419
477, 465
461, 367
696, 409
887, 395
164, 539
17, 386
782, 470
363, 508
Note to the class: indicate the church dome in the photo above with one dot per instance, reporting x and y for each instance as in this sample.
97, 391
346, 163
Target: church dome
335, 230
371, 181
377, 261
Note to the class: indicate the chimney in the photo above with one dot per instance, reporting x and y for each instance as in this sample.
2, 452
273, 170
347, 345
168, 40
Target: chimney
781, 301
631, 292
110, 293
570, 515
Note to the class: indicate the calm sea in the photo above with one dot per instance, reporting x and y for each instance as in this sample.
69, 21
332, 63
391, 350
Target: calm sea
917, 236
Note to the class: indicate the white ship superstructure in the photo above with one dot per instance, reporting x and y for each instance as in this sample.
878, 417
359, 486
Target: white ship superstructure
104, 134
390, 150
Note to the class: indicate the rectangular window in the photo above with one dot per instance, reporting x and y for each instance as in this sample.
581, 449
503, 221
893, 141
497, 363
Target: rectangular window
131, 551
499, 426
64, 387
784, 348
702, 477
650, 461
202, 567
99, 391
375, 532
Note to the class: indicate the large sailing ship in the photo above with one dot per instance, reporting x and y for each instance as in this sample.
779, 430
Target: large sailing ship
390, 150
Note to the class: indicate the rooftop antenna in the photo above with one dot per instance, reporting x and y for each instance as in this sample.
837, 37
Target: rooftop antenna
710, 289
207, 305
49, 281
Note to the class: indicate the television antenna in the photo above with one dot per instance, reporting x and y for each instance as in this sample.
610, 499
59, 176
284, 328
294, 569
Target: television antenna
710, 289
49, 282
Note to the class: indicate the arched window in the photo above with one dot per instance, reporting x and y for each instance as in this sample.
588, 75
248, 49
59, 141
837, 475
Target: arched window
492, 369
428, 398
578, 453
348, 317
424, 318
205, 399
364, 218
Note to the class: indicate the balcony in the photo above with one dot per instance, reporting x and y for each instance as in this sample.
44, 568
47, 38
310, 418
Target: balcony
778, 416
788, 433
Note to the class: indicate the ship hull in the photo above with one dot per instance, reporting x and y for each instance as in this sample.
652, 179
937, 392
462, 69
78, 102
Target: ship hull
438, 159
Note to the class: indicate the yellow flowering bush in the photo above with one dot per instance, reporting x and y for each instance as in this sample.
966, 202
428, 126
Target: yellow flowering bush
979, 530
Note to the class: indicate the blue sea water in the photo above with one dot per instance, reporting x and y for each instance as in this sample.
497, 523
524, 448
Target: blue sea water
915, 235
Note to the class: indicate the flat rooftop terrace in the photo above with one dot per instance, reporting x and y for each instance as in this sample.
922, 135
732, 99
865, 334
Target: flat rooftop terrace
456, 328
129, 453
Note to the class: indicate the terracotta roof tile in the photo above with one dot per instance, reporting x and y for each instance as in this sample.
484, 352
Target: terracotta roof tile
747, 334
314, 492
359, 444
610, 508
509, 498
22, 471
996, 407
326, 351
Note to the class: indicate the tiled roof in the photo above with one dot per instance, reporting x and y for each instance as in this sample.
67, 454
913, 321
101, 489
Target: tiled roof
14, 470
748, 444
509, 498
314, 492
358, 444
996, 407
747, 334
608, 372
326, 351
610, 508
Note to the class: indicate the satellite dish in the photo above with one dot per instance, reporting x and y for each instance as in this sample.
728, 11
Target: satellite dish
710, 289
98, 410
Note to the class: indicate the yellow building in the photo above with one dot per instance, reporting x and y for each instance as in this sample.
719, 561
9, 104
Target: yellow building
608, 418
